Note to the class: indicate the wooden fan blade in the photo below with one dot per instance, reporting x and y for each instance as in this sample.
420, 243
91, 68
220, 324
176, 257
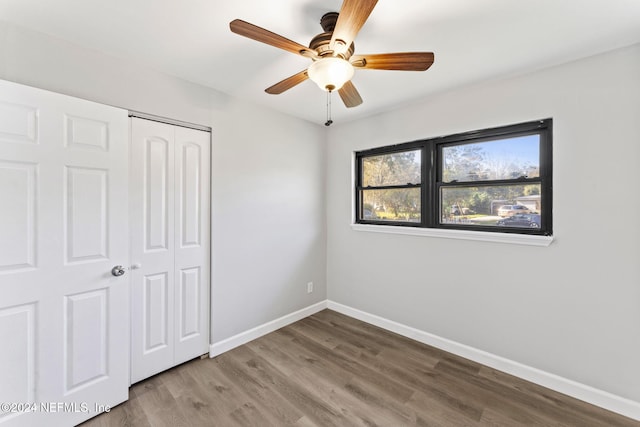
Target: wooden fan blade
254, 32
353, 14
287, 83
403, 61
350, 95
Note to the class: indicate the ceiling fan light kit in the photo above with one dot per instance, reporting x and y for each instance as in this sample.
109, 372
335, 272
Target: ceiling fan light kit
330, 73
332, 51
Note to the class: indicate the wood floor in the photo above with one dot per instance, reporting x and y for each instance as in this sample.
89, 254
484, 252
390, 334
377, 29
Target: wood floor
332, 370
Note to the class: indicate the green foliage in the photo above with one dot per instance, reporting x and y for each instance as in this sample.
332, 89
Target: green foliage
463, 163
480, 202
393, 169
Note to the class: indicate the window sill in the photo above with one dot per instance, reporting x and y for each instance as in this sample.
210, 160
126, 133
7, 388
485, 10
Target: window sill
514, 239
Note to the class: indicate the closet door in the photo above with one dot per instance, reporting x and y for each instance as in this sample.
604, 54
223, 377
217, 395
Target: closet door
169, 245
192, 245
152, 249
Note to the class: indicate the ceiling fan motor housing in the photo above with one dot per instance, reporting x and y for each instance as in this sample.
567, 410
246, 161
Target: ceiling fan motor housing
320, 43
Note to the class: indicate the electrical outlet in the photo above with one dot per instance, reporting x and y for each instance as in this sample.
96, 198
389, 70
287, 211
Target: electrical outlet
309, 287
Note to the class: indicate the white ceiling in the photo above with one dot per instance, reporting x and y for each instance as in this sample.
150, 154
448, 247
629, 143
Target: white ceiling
473, 40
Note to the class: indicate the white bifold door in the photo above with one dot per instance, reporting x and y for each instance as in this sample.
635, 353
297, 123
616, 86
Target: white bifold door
170, 250
64, 317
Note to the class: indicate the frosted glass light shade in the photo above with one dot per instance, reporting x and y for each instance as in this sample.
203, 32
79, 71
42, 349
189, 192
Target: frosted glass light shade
330, 73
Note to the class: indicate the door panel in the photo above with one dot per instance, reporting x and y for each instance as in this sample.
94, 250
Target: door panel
86, 338
18, 123
158, 198
190, 195
188, 300
170, 244
17, 247
17, 367
86, 214
86, 134
63, 226
155, 302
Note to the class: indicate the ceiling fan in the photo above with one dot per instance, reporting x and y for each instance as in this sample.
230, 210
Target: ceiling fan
332, 52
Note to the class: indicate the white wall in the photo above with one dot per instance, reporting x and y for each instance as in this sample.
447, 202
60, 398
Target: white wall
570, 309
268, 217
268, 209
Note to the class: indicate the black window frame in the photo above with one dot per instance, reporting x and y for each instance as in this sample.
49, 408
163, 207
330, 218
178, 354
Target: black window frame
431, 177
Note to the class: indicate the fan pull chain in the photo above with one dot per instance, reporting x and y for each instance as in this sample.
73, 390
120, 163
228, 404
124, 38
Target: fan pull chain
329, 121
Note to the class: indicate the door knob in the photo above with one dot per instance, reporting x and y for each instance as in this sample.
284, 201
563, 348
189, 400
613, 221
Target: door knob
118, 270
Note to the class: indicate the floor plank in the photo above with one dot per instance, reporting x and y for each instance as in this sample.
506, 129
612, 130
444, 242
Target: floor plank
333, 370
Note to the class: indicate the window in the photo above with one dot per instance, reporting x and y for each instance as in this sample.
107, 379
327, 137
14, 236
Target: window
495, 180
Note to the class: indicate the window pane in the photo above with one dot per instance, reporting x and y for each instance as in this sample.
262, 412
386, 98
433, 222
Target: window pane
401, 204
391, 169
501, 159
500, 206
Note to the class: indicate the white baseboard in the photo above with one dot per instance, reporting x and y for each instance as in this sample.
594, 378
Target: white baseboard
244, 337
603, 399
